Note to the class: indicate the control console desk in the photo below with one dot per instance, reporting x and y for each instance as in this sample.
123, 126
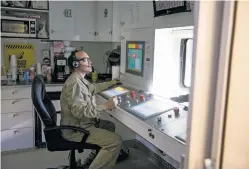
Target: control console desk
161, 122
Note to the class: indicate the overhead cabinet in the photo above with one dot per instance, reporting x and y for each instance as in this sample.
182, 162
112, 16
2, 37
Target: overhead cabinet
85, 21
136, 14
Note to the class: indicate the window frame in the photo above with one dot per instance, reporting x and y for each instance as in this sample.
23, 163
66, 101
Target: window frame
183, 52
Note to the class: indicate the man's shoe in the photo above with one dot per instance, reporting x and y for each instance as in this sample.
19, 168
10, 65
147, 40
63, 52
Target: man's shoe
123, 155
88, 161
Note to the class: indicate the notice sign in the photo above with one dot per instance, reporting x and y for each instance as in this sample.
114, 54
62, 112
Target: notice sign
24, 55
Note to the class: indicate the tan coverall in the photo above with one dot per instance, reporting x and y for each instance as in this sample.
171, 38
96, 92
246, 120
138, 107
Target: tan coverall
78, 108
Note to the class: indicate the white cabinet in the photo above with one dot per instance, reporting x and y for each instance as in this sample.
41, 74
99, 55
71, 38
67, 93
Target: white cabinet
61, 20
137, 14
116, 23
107, 21
84, 20
104, 17
17, 127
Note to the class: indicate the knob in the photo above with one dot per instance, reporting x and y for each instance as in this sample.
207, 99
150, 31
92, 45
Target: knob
152, 136
169, 115
149, 130
185, 108
159, 119
133, 94
176, 111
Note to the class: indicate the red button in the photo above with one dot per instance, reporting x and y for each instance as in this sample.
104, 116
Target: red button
133, 93
141, 97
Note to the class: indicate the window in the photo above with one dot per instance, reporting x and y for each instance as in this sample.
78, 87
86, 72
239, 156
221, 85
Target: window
186, 62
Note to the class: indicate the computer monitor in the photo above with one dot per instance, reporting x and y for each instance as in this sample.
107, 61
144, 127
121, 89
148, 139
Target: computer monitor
135, 57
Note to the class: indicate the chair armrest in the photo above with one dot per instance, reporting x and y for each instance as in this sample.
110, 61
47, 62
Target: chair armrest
67, 127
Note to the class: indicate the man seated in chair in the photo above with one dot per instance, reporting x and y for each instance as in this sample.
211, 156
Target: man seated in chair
78, 108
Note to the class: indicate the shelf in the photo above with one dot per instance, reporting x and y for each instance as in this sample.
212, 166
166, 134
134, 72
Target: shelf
11, 37
25, 9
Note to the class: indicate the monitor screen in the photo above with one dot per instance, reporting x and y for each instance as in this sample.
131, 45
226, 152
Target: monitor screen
115, 91
135, 57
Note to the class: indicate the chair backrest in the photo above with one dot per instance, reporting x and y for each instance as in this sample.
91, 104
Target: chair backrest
42, 104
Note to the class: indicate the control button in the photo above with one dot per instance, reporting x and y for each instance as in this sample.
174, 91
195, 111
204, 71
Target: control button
159, 119
162, 129
149, 130
141, 91
149, 95
142, 97
133, 94
176, 111
169, 115
185, 108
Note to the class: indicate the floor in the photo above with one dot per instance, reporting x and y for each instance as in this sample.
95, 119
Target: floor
42, 159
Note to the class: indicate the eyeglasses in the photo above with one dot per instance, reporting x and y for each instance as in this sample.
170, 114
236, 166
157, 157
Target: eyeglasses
84, 59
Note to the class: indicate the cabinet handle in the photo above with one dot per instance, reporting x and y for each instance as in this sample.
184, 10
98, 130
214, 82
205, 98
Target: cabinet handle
14, 115
15, 101
16, 131
122, 23
96, 33
105, 12
110, 32
52, 31
152, 136
14, 92
121, 37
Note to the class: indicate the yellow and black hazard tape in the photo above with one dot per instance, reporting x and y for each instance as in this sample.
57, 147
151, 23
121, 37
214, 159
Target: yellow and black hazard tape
19, 46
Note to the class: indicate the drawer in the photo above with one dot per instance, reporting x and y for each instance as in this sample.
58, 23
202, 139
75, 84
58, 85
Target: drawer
16, 93
17, 139
17, 120
16, 105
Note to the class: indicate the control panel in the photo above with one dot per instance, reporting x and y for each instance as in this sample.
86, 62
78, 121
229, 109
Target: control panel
172, 123
138, 103
167, 116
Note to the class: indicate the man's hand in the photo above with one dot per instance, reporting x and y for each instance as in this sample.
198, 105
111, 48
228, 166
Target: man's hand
111, 103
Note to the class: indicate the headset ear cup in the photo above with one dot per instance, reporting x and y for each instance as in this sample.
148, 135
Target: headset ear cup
75, 64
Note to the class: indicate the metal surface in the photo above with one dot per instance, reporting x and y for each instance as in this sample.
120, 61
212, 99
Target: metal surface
170, 120
133, 101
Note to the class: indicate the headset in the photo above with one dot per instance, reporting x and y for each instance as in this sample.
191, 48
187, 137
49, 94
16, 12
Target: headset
72, 60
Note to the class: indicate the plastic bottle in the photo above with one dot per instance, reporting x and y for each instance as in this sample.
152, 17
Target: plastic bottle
9, 77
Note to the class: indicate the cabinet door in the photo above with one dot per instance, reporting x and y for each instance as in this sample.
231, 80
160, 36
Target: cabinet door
128, 15
103, 26
61, 20
144, 14
84, 20
116, 25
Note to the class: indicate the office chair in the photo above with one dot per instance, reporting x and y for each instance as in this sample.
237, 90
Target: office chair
48, 115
